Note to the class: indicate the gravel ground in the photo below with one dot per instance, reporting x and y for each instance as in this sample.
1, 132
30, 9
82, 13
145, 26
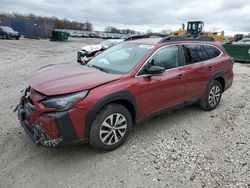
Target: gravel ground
186, 148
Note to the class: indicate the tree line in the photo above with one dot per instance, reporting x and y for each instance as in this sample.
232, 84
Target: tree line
65, 23
59, 23
111, 29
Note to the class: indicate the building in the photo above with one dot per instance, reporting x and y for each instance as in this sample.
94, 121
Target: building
30, 28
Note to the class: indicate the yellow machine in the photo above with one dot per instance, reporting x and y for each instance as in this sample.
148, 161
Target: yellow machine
195, 29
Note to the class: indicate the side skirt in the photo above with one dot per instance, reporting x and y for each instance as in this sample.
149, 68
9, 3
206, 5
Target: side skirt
167, 110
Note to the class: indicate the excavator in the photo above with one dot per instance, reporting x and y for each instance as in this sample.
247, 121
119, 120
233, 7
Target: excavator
196, 29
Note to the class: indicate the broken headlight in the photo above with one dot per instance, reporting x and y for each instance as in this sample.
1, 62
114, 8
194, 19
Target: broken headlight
64, 102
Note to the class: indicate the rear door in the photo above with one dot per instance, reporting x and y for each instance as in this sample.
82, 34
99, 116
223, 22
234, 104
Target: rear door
159, 92
197, 67
200, 67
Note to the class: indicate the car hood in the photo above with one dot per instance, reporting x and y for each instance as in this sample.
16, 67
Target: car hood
67, 78
92, 48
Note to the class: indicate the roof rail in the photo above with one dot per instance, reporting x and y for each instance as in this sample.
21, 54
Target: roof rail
172, 38
135, 37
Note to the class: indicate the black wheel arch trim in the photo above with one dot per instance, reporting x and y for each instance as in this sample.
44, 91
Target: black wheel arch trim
119, 95
65, 126
214, 77
217, 75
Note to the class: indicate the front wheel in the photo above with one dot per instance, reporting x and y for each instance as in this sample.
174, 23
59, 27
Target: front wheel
111, 127
212, 97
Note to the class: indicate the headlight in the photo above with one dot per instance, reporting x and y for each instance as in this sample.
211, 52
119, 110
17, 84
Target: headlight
64, 102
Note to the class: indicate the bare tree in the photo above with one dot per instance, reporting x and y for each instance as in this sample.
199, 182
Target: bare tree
87, 26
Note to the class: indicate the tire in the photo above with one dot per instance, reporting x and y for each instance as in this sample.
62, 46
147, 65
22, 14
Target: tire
17, 38
212, 97
79, 60
108, 135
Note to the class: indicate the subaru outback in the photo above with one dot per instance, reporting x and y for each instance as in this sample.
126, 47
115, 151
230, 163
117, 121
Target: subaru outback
101, 101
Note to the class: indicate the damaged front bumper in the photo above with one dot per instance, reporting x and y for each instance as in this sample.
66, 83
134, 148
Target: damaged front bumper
48, 127
36, 133
83, 57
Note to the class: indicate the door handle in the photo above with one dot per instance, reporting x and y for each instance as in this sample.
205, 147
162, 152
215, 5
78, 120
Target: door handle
180, 76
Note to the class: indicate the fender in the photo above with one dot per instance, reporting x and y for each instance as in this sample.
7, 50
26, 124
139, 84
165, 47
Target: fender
213, 77
120, 95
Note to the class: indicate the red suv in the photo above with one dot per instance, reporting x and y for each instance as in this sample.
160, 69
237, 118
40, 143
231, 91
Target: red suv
131, 81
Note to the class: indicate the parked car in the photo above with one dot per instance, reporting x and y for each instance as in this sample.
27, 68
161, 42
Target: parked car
126, 84
88, 52
8, 33
243, 41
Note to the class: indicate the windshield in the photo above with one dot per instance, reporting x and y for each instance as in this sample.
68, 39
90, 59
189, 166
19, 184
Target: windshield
107, 43
7, 29
121, 58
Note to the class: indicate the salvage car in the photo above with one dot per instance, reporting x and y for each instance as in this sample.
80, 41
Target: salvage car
102, 101
8, 33
88, 52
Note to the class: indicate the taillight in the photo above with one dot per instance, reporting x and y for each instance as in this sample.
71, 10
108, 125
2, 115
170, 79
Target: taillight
232, 60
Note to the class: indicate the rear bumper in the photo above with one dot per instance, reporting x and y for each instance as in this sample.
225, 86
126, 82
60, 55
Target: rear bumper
229, 80
53, 129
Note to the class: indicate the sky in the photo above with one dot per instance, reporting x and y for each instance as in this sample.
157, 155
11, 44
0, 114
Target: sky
232, 16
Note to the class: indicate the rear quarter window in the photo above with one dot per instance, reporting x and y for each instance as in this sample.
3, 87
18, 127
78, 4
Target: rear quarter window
212, 51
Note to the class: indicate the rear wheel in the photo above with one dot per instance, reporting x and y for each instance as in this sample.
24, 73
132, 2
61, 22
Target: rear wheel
212, 97
111, 127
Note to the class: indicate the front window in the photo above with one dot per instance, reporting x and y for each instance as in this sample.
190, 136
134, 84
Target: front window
167, 57
121, 58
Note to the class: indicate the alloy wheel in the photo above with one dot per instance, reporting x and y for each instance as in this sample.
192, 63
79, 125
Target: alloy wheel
113, 129
214, 95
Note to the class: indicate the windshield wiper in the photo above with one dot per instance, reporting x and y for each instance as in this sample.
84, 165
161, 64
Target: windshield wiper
99, 68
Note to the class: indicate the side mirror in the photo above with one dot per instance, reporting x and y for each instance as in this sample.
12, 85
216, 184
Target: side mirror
156, 70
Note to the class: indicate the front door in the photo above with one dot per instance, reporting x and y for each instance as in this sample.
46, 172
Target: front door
162, 91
